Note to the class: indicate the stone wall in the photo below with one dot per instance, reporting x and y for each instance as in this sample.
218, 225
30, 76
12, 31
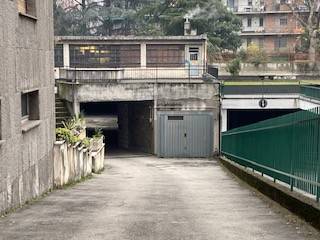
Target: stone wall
26, 64
74, 162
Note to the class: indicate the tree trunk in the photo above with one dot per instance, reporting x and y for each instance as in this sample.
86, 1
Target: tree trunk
312, 46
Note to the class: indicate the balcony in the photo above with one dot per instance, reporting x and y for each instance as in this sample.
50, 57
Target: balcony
246, 29
185, 74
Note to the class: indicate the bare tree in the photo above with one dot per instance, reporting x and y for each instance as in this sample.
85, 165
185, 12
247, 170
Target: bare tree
307, 13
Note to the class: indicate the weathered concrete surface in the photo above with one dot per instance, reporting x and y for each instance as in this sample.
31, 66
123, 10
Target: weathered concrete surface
141, 197
26, 65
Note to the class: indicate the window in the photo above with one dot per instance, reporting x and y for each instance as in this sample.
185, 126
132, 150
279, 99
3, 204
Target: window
261, 43
104, 56
283, 1
249, 22
283, 21
27, 7
194, 54
58, 55
175, 118
249, 2
280, 42
30, 106
165, 55
261, 22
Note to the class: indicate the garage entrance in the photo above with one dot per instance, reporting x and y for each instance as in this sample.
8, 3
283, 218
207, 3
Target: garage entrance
185, 134
126, 125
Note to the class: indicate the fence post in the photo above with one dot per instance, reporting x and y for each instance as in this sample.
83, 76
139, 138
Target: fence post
291, 156
318, 163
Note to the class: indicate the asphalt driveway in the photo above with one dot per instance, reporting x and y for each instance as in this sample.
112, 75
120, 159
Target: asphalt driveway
143, 197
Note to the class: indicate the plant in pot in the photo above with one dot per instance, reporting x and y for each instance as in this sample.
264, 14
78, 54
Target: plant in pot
97, 137
80, 126
76, 125
64, 134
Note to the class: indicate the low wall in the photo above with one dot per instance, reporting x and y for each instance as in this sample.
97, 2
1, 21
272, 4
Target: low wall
73, 162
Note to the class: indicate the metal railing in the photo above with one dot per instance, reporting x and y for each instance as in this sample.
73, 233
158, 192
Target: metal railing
286, 148
116, 75
258, 89
310, 91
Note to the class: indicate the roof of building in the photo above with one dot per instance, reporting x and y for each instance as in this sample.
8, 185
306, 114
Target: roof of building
129, 38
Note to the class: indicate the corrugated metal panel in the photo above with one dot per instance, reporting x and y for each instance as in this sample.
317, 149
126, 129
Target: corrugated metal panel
185, 134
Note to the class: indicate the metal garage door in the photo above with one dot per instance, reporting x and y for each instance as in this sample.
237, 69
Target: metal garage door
185, 134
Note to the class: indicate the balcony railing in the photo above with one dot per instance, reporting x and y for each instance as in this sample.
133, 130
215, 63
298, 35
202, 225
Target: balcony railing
253, 29
117, 75
310, 91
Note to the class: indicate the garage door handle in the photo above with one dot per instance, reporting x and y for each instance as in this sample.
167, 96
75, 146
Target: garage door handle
185, 135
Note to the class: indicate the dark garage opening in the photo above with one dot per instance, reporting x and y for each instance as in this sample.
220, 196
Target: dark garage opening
239, 118
125, 125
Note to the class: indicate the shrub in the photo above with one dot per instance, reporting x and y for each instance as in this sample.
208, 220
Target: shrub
97, 133
255, 55
242, 54
234, 67
64, 134
86, 142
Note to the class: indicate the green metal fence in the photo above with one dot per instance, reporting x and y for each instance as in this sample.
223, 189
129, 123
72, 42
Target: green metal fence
310, 91
285, 148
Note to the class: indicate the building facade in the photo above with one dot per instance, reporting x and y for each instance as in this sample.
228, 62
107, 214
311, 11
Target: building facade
268, 23
149, 93
26, 101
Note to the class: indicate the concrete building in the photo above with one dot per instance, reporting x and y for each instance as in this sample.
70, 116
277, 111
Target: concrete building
149, 93
249, 102
268, 23
26, 101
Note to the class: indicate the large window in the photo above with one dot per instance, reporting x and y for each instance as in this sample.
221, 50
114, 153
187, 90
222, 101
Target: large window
280, 43
58, 55
27, 7
104, 56
165, 55
249, 22
283, 21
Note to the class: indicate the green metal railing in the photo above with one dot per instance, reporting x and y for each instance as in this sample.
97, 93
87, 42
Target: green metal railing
286, 148
310, 91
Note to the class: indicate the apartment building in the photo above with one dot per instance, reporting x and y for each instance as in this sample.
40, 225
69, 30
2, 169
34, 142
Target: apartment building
26, 101
268, 23
151, 94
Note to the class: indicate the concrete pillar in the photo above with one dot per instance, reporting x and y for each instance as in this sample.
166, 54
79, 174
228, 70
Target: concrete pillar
155, 120
76, 107
66, 55
143, 55
224, 120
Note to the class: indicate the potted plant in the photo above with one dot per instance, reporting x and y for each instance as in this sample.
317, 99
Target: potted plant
98, 137
76, 125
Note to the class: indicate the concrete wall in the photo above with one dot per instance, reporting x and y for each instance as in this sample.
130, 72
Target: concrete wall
123, 121
74, 162
26, 64
165, 96
141, 127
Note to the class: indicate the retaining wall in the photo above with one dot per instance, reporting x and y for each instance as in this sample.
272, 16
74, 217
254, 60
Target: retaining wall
73, 162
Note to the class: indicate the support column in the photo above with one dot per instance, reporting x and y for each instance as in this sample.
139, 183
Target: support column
224, 120
76, 107
143, 55
66, 55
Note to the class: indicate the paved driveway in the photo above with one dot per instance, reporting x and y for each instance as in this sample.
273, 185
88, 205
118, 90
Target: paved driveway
142, 197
